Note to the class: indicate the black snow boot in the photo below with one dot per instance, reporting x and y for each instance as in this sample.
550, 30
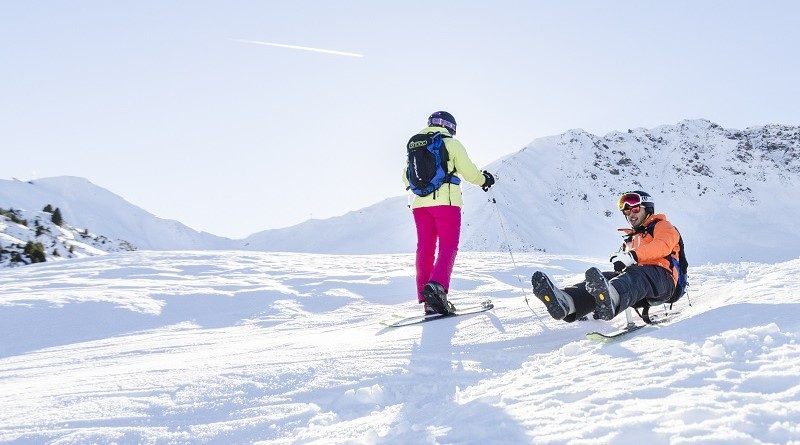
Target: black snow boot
605, 295
436, 297
556, 300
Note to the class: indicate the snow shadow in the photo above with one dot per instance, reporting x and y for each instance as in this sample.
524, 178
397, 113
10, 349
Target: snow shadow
211, 311
699, 328
394, 290
430, 396
745, 315
26, 328
37, 325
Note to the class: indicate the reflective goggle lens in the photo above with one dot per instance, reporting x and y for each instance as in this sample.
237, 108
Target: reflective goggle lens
628, 210
629, 200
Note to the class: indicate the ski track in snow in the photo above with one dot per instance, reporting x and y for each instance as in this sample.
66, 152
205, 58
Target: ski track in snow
241, 347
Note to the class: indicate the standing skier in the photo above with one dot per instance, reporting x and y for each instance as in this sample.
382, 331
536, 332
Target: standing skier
643, 268
435, 157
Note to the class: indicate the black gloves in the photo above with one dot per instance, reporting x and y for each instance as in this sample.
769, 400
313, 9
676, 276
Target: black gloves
488, 181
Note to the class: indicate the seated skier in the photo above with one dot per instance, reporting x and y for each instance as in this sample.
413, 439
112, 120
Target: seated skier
643, 272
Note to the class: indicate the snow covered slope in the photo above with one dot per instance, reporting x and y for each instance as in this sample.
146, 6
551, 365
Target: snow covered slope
249, 347
731, 193
724, 190
86, 205
18, 228
380, 228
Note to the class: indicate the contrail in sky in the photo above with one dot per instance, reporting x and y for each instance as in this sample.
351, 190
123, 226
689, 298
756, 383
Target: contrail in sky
304, 48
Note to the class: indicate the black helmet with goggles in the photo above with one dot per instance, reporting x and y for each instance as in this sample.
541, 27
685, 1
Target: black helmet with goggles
629, 200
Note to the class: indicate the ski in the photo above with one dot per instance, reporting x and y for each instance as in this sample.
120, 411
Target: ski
407, 321
611, 336
629, 328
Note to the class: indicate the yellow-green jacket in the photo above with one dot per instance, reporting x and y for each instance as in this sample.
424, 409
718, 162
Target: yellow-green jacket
449, 194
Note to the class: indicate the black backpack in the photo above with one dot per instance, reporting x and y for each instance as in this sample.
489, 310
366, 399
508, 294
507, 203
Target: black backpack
427, 164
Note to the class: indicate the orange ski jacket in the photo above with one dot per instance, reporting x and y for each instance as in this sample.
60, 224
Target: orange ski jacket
655, 249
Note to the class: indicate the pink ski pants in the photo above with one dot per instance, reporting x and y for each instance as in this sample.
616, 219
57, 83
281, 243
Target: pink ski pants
442, 224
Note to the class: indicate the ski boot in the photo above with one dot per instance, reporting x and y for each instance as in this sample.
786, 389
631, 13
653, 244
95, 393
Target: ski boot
553, 298
436, 297
605, 296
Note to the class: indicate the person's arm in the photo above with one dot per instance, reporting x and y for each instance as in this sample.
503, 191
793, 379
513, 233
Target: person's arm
464, 165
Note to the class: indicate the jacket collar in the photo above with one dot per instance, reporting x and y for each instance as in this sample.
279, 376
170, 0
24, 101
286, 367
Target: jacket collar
641, 229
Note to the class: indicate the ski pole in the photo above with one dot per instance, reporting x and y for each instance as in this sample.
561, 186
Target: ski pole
511, 253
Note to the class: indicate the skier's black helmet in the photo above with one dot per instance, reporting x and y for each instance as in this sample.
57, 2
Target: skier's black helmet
637, 197
443, 119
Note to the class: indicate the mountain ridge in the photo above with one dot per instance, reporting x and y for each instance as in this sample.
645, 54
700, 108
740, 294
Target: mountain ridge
87, 205
555, 195
558, 193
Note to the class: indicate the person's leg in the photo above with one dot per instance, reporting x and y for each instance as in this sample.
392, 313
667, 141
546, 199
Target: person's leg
448, 228
426, 247
637, 283
582, 299
569, 304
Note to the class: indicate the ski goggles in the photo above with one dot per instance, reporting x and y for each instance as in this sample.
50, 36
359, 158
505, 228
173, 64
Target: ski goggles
444, 123
630, 201
628, 210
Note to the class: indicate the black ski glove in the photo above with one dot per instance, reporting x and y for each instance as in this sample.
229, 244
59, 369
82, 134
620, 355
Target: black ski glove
488, 181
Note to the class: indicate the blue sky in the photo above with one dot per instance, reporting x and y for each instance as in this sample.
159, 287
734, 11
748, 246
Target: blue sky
161, 103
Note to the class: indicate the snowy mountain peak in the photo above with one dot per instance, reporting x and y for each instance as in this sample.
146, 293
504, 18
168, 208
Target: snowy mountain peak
712, 182
558, 195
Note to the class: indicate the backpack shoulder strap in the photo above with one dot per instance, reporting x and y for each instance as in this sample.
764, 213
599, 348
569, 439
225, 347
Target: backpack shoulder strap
446, 157
651, 228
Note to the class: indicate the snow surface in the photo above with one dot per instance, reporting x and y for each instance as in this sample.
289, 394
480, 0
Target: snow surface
241, 347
